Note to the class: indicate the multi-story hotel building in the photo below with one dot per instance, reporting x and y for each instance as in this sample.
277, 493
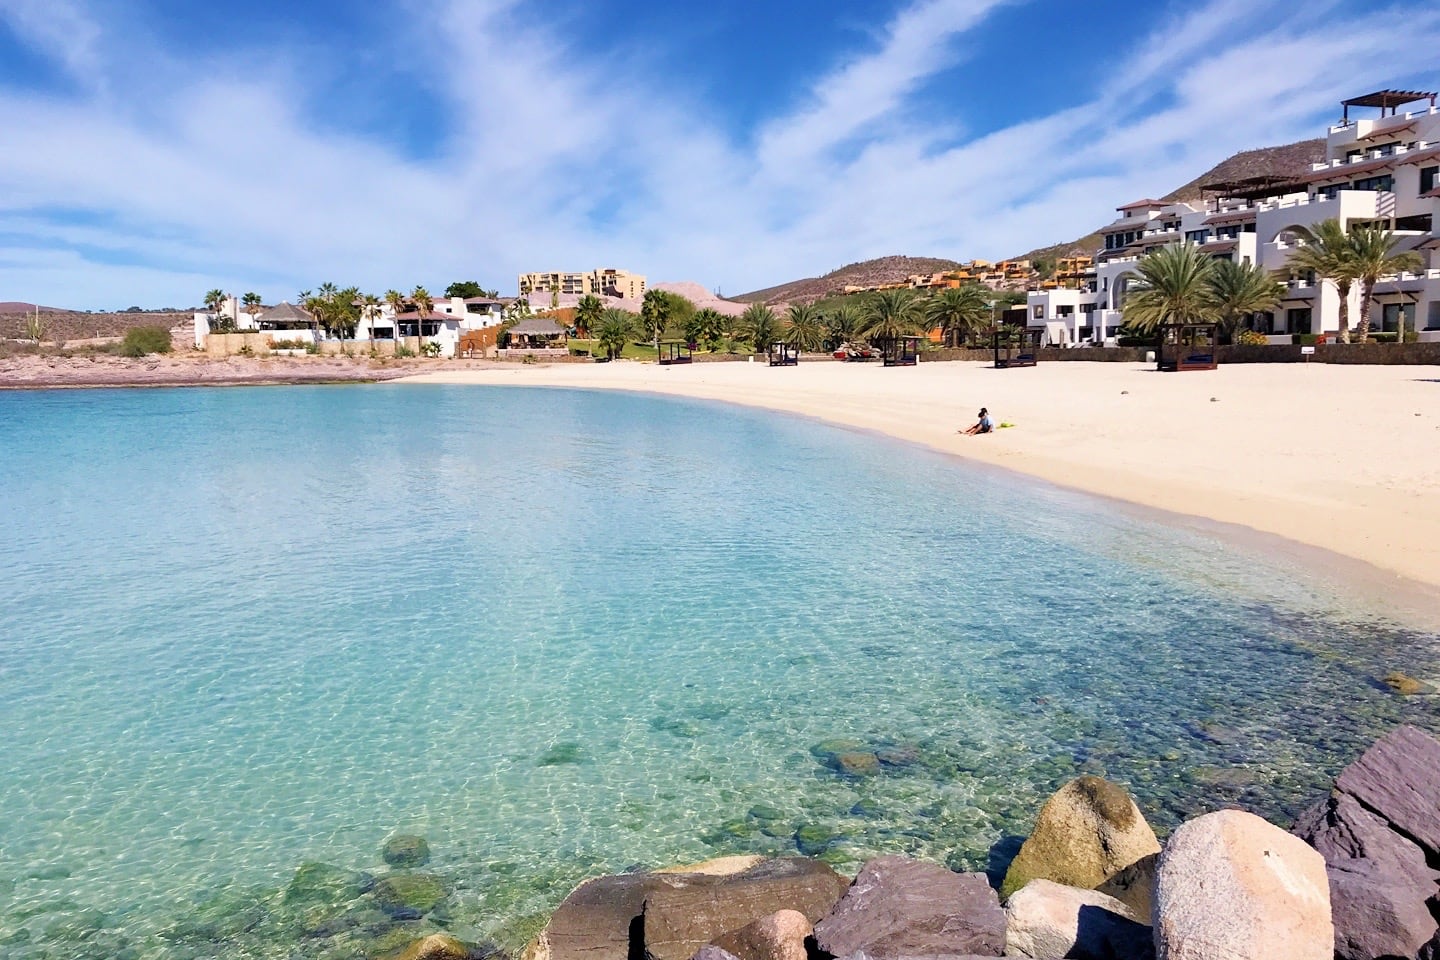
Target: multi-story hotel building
602, 282
1382, 170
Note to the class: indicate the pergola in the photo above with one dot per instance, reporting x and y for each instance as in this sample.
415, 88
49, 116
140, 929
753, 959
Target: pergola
674, 351
1020, 346
900, 351
1193, 343
1391, 100
784, 354
1260, 187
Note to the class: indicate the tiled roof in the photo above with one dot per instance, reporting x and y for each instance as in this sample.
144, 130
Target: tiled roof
538, 326
1219, 246
1232, 216
1142, 203
285, 312
1420, 156
1347, 170
1125, 224
1384, 130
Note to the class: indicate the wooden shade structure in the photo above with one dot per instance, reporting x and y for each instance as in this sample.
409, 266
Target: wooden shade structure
675, 351
900, 351
784, 355
1016, 346
1191, 345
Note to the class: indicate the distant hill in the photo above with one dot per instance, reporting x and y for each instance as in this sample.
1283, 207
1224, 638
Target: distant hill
1288, 160
73, 325
863, 274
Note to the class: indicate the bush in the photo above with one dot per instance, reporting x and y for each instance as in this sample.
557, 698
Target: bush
1251, 338
1306, 339
1383, 336
140, 341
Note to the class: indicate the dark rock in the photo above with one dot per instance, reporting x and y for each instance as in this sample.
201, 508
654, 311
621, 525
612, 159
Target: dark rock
595, 921
561, 753
712, 952
406, 850
1399, 779
1135, 887
899, 907
1342, 830
814, 839
684, 912
1377, 913
409, 896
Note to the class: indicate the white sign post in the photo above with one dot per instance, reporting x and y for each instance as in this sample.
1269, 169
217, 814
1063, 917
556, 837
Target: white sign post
1307, 352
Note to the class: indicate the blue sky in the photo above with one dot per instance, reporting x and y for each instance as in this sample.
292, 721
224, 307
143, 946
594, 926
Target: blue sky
154, 149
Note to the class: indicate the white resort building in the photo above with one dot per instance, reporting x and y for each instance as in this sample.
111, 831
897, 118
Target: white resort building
1382, 170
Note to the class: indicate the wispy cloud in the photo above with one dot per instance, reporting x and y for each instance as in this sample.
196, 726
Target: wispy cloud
550, 155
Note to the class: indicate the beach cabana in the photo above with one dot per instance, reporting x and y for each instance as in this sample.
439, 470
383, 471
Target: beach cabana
901, 351
784, 355
1186, 346
537, 333
1016, 346
675, 351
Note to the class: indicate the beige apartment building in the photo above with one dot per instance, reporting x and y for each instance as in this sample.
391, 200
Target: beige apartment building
602, 282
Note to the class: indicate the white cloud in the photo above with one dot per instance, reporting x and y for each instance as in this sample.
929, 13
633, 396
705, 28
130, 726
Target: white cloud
552, 157
62, 29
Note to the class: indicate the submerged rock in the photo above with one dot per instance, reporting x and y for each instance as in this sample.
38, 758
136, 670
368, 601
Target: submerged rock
1086, 833
814, 838
440, 946
409, 896
1404, 684
406, 850
857, 764
317, 883
561, 753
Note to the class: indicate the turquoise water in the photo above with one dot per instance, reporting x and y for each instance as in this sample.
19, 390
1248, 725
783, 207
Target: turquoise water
561, 633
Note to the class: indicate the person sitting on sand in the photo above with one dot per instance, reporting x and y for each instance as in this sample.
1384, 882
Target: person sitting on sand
984, 425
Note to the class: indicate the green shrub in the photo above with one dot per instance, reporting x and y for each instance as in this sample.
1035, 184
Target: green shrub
1251, 338
1305, 339
141, 341
1383, 336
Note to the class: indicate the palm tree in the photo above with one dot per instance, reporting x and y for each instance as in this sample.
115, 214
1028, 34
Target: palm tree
705, 326
1373, 249
214, 303
615, 328
214, 300
1239, 289
802, 328
843, 324
395, 300
759, 326
370, 311
252, 302
890, 315
424, 303
588, 312
959, 312
345, 307
655, 311
1328, 254
1174, 287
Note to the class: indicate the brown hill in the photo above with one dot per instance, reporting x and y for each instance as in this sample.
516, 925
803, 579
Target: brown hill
1287, 160
863, 274
60, 325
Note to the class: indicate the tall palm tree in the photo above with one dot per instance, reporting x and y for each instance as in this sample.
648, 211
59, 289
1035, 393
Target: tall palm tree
395, 300
424, 303
1373, 249
252, 302
802, 328
959, 312
705, 326
614, 330
655, 312
1174, 287
214, 300
759, 326
1238, 289
890, 315
1328, 253
370, 311
588, 312
842, 324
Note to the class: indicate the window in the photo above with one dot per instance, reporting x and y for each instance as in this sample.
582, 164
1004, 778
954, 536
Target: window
1392, 314
1227, 233
1087, 308
1197, 236
1297, 320
1065, 311
1428, 178
1038, 313
1385, 182
1387, 149
1329, 193
1353, 155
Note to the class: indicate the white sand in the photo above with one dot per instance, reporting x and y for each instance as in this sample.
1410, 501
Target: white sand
1345, 458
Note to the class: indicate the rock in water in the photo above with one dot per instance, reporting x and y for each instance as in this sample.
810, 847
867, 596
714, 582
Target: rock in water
1086, 833
439, 947
1380, 881
899, 907
687, 911
1049, 921
780, 936
594, 922
409, 896
1232, 887
322, 884
406, 850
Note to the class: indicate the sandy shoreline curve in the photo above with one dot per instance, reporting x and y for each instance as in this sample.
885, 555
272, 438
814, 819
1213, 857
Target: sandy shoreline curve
1341, 458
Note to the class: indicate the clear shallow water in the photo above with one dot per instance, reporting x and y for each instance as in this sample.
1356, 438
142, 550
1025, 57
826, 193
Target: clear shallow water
561, 633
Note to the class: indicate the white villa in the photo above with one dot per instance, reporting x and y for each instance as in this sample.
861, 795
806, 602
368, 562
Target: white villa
1383, 170
448, 318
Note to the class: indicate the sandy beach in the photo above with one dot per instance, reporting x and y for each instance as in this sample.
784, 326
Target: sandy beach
1341, 458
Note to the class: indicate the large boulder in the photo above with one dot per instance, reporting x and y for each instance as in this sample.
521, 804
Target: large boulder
1230, 886
1399, 779
899, 907
1050, 921
409, 896
1086, 833
595, 921
440, 946
780, 936
1135, 887
684, 912
1380, 877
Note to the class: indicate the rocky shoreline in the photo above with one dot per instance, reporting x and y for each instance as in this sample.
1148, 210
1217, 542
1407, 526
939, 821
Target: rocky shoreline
35, 372
1354, 878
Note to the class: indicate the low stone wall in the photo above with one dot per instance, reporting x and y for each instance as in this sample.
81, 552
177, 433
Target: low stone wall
1383, 354
237, 344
